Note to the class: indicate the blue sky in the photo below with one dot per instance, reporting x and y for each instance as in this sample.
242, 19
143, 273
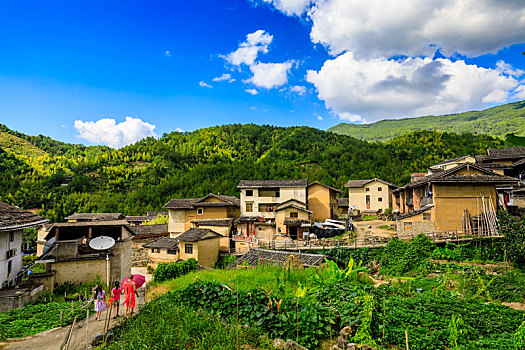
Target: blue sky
76, 70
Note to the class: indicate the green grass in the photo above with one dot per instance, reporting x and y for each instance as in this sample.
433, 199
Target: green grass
267, 277
369, 218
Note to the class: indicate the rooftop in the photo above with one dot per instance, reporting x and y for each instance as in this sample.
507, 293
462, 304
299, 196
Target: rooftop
213, 222
361, 183
329, 187
192, 203
272, 183
452, 160
415, 212
255, 256
506, 153
342, 202
13, 218
95, 216
195, 234
163, 243
150, 229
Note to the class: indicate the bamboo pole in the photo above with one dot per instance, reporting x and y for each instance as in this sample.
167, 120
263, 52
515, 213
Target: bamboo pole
87, 334
406, 339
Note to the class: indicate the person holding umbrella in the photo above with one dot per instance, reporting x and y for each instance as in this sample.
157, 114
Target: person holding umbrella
130, 290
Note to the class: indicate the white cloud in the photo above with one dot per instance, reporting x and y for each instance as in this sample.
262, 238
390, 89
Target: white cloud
349, 117
168, 53
378, 88
254, 108
300, 90
224, 77
248, 51
508, 69
179, 130
290, 7
270, 75
252, 91
520, 92
203, 84
107, 131
411, 27
319, 117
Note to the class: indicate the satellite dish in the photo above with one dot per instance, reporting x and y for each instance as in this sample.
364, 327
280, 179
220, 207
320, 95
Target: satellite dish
48, 245
102, 243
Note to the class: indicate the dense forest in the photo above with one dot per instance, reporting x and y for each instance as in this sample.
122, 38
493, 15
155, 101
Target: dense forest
497, 121
59, 178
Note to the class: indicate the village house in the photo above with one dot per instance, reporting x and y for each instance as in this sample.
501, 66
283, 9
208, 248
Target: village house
504, 161
69, 257
200, 244
369, 196
146, 233
449, 200
262, 200
87, 217
342, 207
13, 221
322, 201
213, 211
452, 163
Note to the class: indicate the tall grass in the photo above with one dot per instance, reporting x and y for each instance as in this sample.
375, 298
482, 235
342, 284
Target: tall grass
283, 282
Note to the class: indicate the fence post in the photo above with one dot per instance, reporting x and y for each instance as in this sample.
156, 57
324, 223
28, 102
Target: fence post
355, 241
434, 236
284, 245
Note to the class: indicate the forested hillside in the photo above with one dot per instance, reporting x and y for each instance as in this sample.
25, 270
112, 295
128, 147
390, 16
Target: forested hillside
497, 122
144, 176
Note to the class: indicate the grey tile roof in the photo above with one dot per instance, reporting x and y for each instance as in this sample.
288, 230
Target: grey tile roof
342, 202
137, 218
361, 183
253, 256
195, 234
150, 229
295, 222
506, 153
163, 243
180, 203
329, 187
192, 203
293, 206
451, 160
156, 213
272, 183
226, 222
415, 212
13, 218
96, 216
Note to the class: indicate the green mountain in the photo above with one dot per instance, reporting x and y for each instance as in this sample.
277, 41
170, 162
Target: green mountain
59, 178
497, 121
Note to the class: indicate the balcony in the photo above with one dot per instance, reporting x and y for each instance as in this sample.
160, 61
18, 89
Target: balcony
427, 201
410, 201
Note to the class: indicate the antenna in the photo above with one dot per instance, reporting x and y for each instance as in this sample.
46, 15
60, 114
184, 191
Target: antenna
102, 243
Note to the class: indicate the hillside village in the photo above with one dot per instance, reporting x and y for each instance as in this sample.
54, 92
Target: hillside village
273, 222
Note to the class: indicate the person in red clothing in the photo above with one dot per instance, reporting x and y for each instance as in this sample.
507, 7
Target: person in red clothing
129, 295
115, 293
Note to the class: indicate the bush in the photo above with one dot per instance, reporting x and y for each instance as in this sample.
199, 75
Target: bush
173, 270
400, 257
224, 261
514, 241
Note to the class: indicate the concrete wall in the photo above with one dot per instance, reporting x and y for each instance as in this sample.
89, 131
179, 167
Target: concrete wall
357, 196
286, 193
451, 200
414, 225
16, 261
10, 302
208, 252
322, 202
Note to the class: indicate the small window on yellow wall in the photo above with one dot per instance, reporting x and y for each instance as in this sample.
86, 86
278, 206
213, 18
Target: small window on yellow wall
249, 193
367, 189
294, 214
200, 211
380, 189
407, 225
188, 248
249, 207
380, 199
427, 216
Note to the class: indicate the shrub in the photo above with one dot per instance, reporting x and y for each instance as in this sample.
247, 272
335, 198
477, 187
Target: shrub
400, 257
514, 241
173, 270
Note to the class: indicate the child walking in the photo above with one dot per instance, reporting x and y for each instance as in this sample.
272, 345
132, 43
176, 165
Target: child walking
115, 293
99, 295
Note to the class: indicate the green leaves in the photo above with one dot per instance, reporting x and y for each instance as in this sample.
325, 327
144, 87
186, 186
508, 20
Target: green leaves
167, 271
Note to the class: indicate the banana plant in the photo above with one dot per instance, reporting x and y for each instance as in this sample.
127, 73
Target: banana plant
332, 274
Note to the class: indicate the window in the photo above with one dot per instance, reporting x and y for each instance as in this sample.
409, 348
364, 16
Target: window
155, 251
172, 251
11, 236
8, 268
294, 214
380, 199
188, 248
380, 189
10, 253
249, 193
407, 226
367, 189
427, 216
200, 211
249, 207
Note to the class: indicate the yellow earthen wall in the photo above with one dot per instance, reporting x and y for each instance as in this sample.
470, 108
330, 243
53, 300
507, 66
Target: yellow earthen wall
321, 201
208, 252
357, 196
79, 271
282, 215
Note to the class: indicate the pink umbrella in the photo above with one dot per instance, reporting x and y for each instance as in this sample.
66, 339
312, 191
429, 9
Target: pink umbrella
138, 279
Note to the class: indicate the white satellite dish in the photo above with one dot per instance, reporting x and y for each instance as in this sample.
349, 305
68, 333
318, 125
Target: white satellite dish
102, 243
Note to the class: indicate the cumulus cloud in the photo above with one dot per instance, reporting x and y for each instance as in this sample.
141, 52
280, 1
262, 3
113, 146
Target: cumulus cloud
270, 75
373, 89
416, 28
300, 90
252, 92
168, 53
108, 132
203, 84
248, 51
508, 69
319, 117
224, 77
290, 7
179, 130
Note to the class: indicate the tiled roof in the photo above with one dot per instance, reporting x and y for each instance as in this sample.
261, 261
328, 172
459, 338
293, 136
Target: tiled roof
342, 202
195, 234
495, 166
295, 222
228, 200
518, 163
156, 213
451, 160
506, 153
150, 229
12, 218
293, 206
329, 187
415, 212
272, 183
92, 223
213, 222
480, 158
95, 216
361, 183
180, 203
137, 218
163, 243
192, 203
253, 256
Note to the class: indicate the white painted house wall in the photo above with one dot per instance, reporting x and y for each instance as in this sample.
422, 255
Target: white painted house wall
16, 261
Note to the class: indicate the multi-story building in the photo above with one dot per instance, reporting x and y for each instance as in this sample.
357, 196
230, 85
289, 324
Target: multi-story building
322, 201
370, 196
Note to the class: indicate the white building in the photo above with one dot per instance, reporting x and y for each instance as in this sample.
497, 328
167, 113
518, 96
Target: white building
13, 220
